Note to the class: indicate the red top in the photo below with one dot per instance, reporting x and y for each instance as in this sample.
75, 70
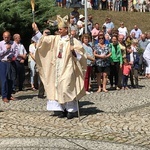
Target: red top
126, 69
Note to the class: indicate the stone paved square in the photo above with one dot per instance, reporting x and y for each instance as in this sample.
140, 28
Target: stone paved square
116, 120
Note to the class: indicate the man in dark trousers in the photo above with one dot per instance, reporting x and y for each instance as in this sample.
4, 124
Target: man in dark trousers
8, 53
22, 55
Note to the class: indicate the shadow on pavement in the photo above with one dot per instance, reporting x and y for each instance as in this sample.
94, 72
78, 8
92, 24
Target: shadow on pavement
89, 110
83, 103
24, 97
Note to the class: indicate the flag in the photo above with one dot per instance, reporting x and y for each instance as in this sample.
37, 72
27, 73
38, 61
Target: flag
32, 5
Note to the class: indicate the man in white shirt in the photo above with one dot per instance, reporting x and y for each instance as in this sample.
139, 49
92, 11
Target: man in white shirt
137, 32
123, 30
108, 24
22, 55
81, 25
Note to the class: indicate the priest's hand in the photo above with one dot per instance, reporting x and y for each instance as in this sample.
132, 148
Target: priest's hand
34, 27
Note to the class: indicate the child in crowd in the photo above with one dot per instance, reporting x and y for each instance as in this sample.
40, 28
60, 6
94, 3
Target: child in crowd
126, 68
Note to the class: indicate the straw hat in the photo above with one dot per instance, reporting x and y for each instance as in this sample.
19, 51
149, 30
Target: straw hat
81, 16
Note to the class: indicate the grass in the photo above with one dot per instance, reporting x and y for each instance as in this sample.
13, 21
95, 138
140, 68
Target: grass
129, 18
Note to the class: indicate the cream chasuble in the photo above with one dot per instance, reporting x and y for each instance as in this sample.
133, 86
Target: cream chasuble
62, 75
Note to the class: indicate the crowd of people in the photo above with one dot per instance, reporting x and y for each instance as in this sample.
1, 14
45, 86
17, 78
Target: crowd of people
65, 63
112, 5
112, 54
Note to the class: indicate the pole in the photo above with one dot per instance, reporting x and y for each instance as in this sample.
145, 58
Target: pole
33, 16
85, 14
72, 43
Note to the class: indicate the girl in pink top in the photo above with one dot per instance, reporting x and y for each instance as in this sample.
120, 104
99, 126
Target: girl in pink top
126, 71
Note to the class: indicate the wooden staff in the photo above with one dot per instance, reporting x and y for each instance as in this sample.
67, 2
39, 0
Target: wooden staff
33, 6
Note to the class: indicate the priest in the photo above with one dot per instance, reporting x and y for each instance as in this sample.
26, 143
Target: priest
61, 67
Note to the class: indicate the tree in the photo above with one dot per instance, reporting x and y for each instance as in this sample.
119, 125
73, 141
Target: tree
16, 16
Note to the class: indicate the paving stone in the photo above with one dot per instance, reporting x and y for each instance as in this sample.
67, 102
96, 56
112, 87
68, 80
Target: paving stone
115, 117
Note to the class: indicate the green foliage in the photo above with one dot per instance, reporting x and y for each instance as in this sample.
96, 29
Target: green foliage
16, 15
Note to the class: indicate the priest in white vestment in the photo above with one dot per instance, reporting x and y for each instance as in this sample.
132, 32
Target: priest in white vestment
61, 68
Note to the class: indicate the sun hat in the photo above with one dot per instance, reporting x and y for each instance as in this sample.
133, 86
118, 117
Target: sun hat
81, 16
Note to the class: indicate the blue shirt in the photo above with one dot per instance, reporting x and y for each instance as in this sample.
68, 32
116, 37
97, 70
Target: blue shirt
89, 51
